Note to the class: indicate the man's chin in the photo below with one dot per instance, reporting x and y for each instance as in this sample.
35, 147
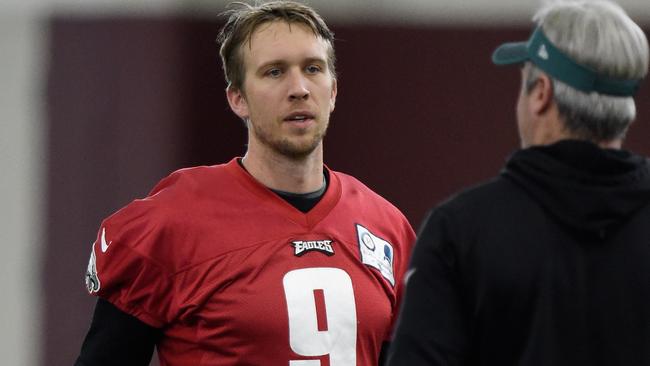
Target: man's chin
296, 150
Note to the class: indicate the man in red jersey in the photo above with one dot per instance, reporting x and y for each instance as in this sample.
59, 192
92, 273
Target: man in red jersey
270, 259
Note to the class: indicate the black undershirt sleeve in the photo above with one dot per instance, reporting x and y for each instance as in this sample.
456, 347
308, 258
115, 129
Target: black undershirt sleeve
117, 338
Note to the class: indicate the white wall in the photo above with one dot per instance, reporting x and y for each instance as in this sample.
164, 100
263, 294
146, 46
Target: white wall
21, 187
418, 11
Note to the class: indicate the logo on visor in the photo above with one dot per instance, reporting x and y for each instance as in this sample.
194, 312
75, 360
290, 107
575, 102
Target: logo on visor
542, 52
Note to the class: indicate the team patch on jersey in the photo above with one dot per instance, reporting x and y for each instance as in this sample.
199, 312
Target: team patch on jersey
92, 279
303, 246
376, 252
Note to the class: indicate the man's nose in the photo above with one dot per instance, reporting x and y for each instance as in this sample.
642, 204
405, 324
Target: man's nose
298, 86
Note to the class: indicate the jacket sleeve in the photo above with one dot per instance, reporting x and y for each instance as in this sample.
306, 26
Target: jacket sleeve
431, 329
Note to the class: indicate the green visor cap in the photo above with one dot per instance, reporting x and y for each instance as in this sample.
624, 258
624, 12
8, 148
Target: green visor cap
541, 52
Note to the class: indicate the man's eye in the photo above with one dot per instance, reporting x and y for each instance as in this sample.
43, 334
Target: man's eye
274, 73
313, 69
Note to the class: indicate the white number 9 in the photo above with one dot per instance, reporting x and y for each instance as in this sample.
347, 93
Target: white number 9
340, 338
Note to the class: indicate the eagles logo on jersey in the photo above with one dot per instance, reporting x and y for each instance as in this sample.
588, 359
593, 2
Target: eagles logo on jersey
304, 246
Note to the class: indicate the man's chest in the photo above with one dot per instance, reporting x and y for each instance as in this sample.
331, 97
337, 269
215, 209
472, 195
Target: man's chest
298, 297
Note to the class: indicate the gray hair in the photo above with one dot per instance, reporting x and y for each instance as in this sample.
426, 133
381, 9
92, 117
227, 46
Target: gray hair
597, 34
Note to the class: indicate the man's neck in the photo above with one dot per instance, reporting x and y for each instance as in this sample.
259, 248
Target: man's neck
282, 173
551, 128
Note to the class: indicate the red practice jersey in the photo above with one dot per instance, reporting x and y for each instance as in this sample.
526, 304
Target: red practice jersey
235, 275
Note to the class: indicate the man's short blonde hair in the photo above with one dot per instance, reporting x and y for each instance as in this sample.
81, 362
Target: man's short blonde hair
245, 19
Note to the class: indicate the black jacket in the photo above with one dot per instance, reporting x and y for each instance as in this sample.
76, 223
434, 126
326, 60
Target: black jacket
547, 264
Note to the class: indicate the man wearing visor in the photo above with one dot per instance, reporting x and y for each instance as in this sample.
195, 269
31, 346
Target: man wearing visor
548, 263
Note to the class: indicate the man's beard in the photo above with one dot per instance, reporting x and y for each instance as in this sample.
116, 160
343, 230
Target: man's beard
286, 147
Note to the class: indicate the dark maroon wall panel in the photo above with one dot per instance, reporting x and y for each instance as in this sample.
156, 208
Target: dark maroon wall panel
421, 113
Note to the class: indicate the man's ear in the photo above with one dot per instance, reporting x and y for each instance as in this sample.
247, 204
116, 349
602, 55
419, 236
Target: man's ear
237, 102
333, 96
541, 96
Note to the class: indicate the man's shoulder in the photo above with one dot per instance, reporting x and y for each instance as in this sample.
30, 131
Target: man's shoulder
192, 179
352, 185
488, 205
175, 213
357, 194
350, 182
496, 192
178, 193
374, 214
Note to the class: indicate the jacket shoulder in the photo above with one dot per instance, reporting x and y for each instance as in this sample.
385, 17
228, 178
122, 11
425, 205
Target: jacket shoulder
493, 197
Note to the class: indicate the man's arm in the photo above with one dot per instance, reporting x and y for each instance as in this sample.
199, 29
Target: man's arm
432, 329
117, 338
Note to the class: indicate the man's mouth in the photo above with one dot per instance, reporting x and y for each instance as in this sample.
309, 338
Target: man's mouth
299, 117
